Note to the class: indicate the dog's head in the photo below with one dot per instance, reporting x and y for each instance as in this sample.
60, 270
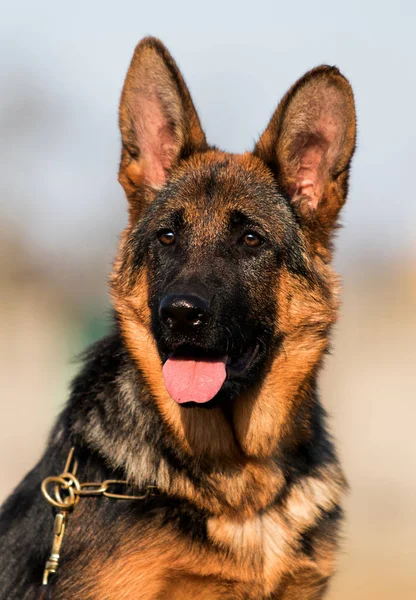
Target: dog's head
224, 264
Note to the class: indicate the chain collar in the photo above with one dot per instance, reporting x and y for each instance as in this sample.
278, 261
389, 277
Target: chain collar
64, 491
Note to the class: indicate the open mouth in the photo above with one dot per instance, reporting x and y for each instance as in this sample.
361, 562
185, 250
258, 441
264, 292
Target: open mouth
195, 376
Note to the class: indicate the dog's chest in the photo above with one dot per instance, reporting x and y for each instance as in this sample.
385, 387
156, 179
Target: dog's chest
148, 561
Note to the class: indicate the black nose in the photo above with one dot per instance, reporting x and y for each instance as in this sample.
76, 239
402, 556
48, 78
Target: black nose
184, 310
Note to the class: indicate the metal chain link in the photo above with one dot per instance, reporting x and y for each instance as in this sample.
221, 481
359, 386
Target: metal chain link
67, 490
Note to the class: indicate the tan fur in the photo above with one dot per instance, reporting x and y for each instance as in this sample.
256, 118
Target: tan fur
249, 559
265, 415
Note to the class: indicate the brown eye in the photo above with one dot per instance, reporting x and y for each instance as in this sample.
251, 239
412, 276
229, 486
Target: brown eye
252, 239
166, 237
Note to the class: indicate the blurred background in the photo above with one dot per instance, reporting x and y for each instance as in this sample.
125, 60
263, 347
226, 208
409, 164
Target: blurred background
61, 71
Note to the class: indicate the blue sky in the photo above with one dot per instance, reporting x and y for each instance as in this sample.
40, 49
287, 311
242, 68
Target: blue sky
61, 72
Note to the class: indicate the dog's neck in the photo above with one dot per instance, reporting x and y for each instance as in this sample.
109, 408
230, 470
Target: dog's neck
220, 448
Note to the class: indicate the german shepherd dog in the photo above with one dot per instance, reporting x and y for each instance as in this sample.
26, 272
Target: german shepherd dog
206, 388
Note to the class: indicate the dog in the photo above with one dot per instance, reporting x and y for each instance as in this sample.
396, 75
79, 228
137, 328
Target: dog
198, 463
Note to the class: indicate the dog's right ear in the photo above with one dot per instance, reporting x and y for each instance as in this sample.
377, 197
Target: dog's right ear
158, 123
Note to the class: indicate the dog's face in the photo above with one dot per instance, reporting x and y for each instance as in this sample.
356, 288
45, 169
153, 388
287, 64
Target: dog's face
224, 259
215, 239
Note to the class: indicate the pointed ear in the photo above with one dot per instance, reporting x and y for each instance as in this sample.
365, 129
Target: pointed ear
158, 122
309, 143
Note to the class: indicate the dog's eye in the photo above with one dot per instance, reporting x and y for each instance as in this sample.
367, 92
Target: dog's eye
166, 237
252, 239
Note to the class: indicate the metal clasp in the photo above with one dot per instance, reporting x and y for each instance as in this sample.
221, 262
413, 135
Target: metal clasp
64, 499
52, 563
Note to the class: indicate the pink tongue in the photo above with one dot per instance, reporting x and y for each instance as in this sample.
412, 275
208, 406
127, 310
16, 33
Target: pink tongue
193, 380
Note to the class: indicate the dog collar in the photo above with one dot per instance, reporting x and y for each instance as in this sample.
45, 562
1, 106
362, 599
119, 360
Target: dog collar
63, 492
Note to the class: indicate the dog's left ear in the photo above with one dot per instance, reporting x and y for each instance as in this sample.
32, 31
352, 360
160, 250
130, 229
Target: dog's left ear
308, 144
